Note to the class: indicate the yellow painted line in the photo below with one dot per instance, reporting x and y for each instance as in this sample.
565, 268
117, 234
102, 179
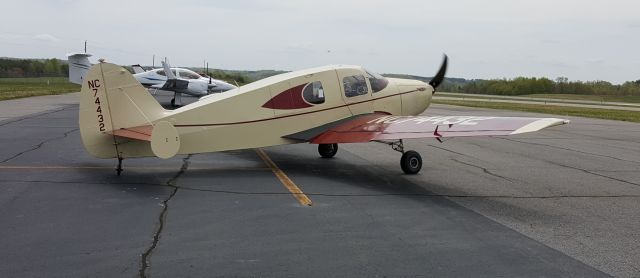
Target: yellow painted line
62, 167
286, 181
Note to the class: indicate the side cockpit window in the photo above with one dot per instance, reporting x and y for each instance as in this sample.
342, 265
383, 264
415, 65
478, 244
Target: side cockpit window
355, 86
313, 93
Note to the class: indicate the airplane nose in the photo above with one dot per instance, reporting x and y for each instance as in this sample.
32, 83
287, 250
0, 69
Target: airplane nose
416, 96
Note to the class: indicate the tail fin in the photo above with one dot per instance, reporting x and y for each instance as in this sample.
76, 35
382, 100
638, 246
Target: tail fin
78, 66
167, 70
138, 68
112, 99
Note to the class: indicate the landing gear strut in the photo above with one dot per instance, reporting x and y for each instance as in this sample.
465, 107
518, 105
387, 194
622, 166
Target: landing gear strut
119, 169
176, 101
410, 162
327, 150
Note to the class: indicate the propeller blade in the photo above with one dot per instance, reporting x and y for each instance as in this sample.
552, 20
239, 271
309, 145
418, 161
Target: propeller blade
439, 77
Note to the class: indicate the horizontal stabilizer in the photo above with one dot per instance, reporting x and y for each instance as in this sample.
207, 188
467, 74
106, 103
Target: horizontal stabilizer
142, 133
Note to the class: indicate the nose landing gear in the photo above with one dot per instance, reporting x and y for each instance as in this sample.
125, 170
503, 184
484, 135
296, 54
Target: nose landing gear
410, 162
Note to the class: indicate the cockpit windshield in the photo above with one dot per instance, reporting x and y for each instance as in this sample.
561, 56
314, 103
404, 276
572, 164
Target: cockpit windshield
187, 74
161, 72
377, 81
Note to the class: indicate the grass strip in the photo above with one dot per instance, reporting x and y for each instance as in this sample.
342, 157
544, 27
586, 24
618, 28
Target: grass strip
12, 88
608, 114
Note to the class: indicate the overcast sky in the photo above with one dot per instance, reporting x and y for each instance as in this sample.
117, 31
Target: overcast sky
581, 40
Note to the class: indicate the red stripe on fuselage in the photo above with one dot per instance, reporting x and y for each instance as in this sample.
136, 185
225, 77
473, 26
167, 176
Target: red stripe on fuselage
299, 114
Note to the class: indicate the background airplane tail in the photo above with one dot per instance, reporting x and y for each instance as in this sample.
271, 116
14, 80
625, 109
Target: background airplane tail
78, 66
138, 68
112, 99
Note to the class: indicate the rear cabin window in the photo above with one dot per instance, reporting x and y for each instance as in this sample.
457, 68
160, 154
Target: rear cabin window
313, 93
355, 86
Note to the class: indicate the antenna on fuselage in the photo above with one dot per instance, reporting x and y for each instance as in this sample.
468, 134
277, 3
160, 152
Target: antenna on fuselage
208, 72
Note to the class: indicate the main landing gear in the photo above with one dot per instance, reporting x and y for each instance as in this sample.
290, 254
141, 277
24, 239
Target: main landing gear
410, 162
176, 101
327, 150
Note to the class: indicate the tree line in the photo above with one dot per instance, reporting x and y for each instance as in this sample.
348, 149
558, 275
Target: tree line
32, 68
10, 67
533, 85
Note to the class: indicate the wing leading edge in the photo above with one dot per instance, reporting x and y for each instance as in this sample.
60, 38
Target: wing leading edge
373, 127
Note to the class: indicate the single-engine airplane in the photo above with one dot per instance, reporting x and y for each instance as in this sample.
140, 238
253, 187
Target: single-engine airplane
178, 80
326, 106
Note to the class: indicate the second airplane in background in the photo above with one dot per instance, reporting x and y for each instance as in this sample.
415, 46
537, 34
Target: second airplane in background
180, 81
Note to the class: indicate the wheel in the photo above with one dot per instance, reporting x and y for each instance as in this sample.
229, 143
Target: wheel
173, 102
411, 162
327, 150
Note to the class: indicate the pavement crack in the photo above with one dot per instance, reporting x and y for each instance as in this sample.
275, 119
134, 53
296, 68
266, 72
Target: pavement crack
34, 116
145, 257
567, 149
594, 173
448, 150
39, 145
485, 170
81, 182
551, 162
560, 196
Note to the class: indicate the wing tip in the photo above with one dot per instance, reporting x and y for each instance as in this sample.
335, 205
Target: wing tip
540, 124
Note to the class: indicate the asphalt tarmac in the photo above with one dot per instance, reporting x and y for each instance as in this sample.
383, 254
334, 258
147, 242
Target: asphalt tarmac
558, 203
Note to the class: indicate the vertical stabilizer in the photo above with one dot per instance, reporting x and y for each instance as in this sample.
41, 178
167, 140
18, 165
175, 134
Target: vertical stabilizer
78, 66
112, 99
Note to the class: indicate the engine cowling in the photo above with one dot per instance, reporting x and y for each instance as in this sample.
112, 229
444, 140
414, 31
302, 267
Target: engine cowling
197, 87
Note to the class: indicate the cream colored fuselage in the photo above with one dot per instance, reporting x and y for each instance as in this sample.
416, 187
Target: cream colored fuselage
237, 119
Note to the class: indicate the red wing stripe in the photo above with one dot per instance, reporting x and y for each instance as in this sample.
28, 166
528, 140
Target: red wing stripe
375, 127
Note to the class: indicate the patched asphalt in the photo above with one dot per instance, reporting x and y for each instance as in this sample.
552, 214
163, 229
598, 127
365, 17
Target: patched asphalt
64, 213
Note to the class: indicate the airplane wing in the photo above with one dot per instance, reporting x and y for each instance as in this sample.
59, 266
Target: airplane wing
379, 127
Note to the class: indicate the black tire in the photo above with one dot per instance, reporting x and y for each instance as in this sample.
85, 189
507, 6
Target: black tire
411, 162
173, 102
327, 150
